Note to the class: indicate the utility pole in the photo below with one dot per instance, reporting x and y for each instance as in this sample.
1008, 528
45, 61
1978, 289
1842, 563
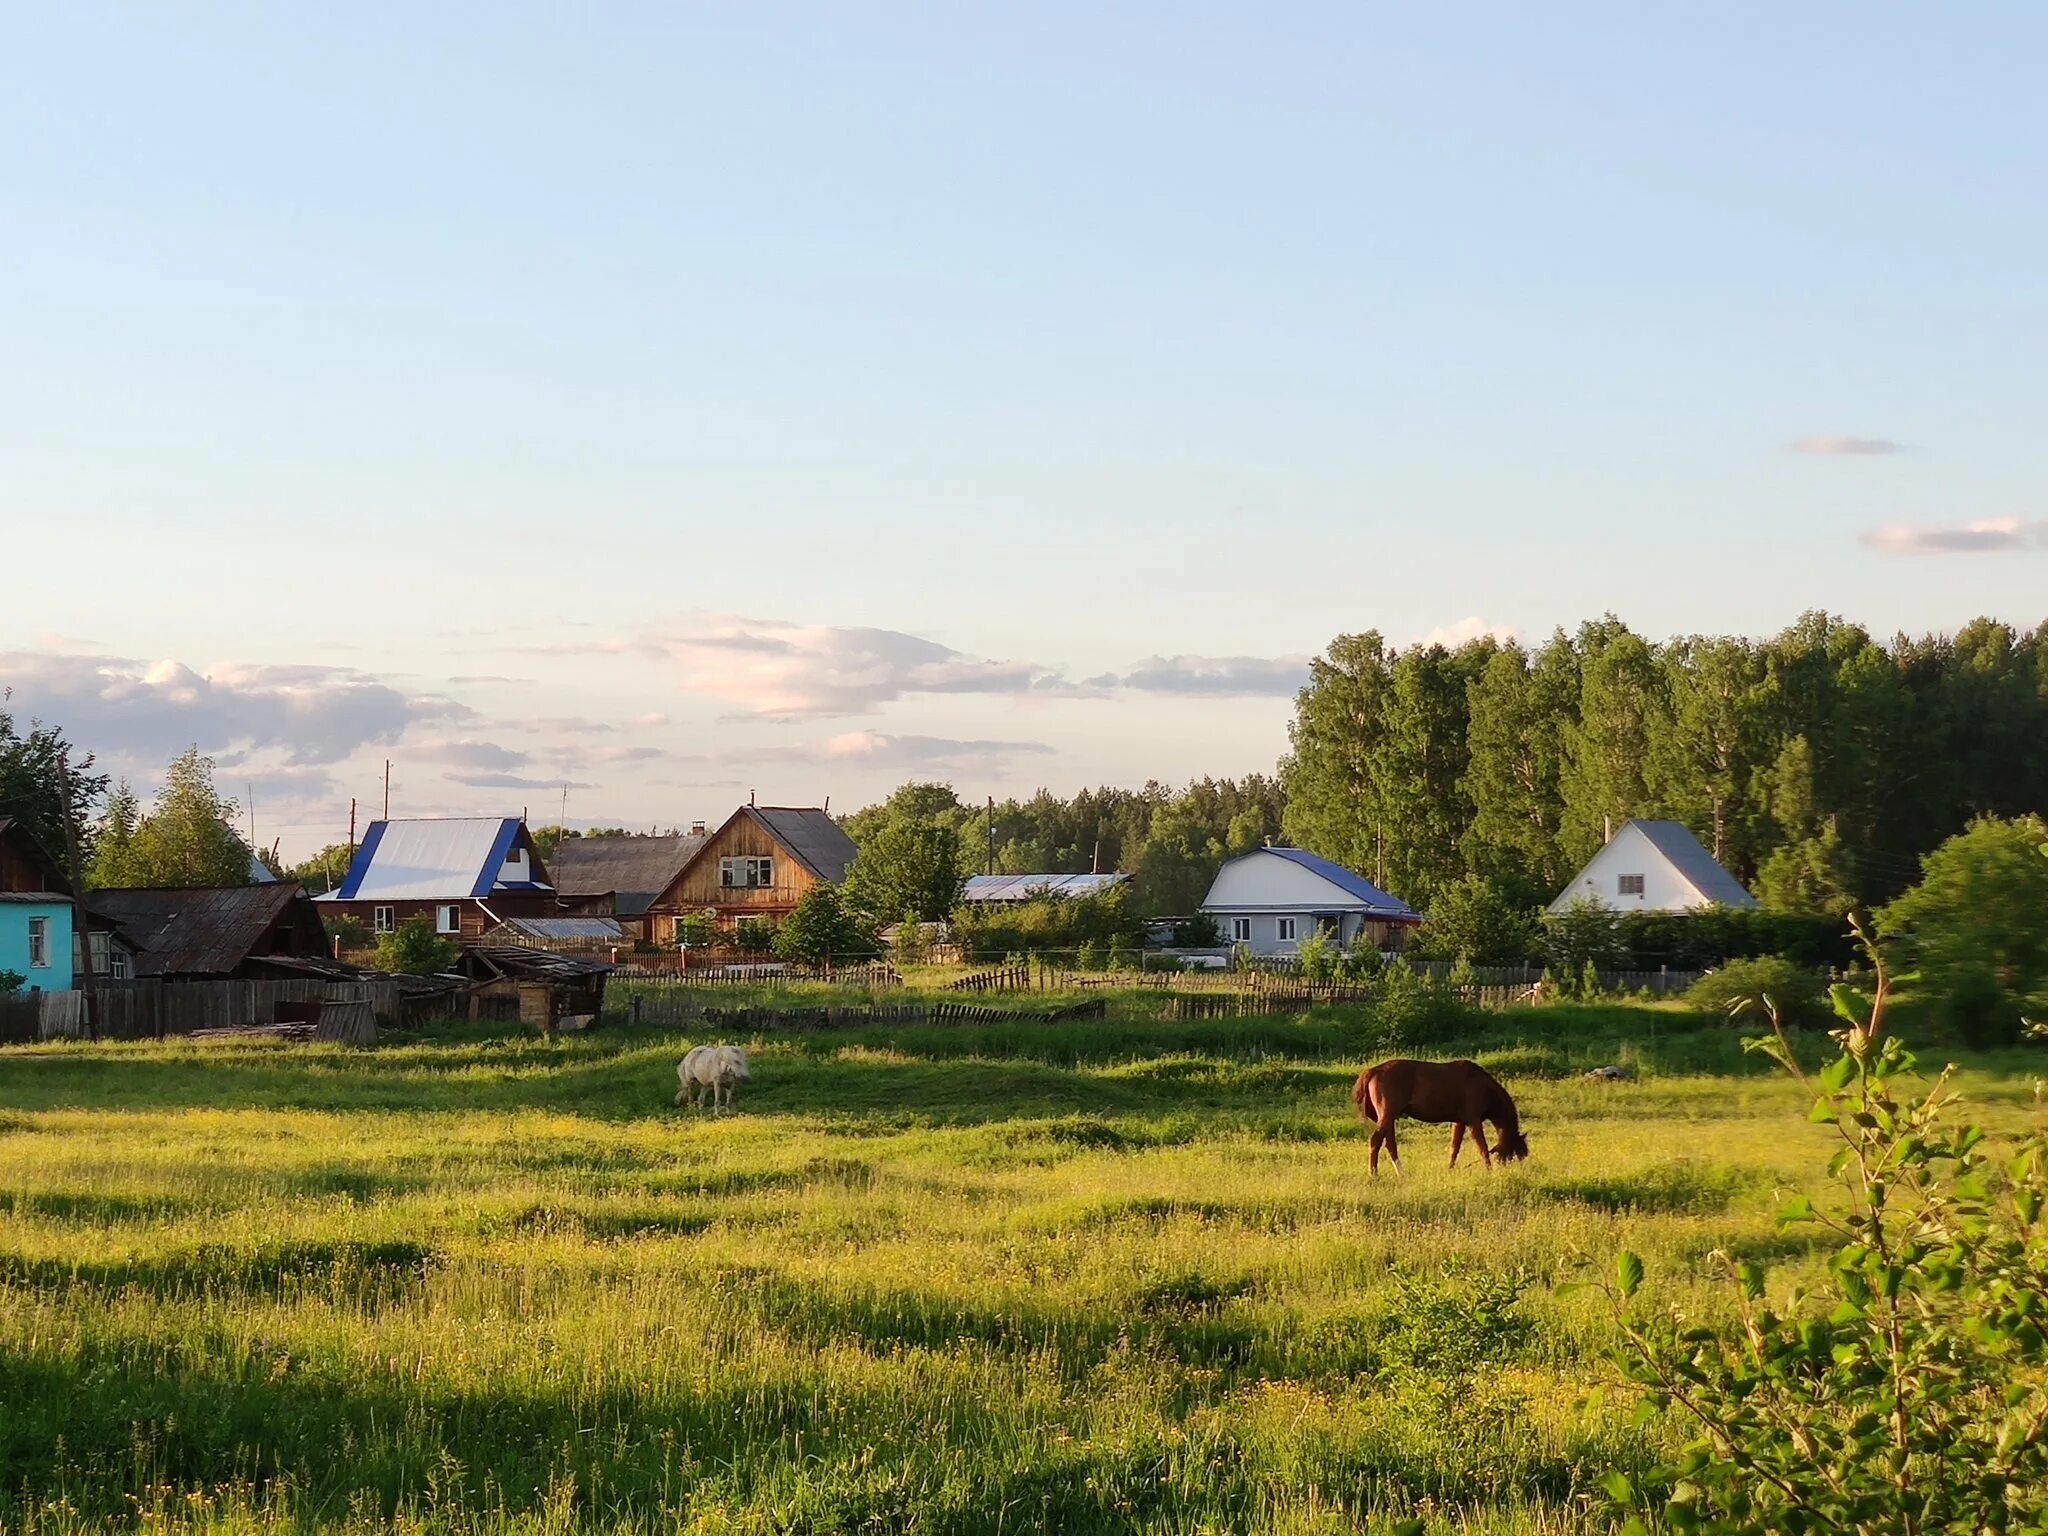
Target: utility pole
80, 922
991, 834
387, 789
351, 831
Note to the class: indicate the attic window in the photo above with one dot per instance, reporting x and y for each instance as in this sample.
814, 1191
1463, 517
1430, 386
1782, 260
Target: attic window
747, 872
1631, 885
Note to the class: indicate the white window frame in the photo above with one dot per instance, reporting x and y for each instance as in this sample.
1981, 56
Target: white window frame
39, 943
746, 871
100, 946
1284, 930
381, 920
1240, 930
117, 964
1624, 887
447, 917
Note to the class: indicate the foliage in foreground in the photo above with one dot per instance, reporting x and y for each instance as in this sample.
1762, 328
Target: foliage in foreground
1906, 1391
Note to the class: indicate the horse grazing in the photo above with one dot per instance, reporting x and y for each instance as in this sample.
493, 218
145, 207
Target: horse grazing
1461, 1092
716, 1070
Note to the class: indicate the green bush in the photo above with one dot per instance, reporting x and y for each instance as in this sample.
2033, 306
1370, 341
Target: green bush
1981, 1012
1091, 956
1586, 932
697, 929
414, 949
1046, 923
1738, 989
1900, 1386
11, 982
1414, 1010
754, 933
1318, 956
822, 929
1363, 963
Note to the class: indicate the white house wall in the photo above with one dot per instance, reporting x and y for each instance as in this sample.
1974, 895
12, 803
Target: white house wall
1632, 853
1266, 881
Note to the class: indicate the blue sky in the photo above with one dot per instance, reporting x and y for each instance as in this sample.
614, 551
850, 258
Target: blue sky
679, 400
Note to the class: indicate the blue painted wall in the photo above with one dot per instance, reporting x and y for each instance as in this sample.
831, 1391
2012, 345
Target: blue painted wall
14, 916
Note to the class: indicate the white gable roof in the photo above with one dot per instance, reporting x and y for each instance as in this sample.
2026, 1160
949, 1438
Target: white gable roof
1678, 874
447, 859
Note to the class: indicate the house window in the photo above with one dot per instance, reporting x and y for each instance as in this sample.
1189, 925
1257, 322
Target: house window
448, 918
380, 919
1631, 885
39, 943
1240, 930
747, 872
1283, 929
102, 952
117, 965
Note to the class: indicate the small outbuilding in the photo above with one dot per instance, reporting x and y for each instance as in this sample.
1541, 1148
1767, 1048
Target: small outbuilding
620, 877
208, 933
551, 991
1654, 866
1272, 898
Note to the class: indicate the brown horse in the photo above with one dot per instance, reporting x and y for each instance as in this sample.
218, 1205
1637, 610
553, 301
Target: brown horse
1460, 1092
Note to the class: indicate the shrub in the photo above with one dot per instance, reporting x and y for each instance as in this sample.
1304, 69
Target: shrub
697, 929
1197, 932
1738, 990
1585, 932
1046, 923
1981, 1012
1904, 1390
1475, 918
1979, 905
910, 939
1091, 956
754, 933
1318, 956
1416, 1010
821, 929
414, 949
11, 982
1122, 957
1363, 963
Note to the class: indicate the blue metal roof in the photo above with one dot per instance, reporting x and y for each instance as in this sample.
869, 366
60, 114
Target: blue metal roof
1346, 881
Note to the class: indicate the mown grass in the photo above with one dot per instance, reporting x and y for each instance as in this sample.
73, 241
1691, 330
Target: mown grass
1122, 1276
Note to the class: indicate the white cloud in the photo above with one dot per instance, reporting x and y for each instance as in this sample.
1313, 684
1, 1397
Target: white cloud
1464, 630
1846, 447
783, 671
1212, 676
1997, 533
148, 712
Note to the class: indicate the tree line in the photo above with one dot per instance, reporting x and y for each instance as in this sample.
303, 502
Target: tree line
1818, 765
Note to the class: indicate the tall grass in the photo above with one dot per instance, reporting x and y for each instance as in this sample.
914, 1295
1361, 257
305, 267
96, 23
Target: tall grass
1110, 1277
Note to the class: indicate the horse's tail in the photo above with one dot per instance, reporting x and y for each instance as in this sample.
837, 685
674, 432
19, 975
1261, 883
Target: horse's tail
1361, 1094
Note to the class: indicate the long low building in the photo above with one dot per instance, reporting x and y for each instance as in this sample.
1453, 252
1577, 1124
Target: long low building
1003, 890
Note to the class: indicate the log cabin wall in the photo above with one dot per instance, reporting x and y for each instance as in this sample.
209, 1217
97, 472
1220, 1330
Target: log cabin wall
699, 886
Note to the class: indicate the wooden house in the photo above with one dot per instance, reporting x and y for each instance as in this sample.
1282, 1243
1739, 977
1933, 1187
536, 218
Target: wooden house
620, 877
468, 874
208, 933
758, 864
35, 912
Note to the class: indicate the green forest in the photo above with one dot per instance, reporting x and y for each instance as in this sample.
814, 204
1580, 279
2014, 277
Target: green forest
1819, 765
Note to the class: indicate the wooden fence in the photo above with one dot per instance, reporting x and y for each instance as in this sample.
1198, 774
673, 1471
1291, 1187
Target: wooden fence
1002, 978
678, 1008
152, 1010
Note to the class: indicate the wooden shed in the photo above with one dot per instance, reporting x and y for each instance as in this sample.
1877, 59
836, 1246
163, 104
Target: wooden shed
546, 990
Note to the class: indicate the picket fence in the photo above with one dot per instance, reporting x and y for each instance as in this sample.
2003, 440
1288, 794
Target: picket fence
678, 1007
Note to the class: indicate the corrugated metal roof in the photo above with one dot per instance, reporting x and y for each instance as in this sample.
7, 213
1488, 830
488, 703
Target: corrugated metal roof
1000, 888
601, 928
634, 869
819, 843
1688, 855
445, 859
196, 931
259, 872
1377, 901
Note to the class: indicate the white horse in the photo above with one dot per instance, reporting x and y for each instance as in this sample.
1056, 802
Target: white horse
718, 1069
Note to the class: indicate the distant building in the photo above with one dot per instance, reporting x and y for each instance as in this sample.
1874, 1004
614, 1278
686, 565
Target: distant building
209, 933
758, 864
468, 874
35, 912
1654, 866
1004, 890
1273, 898
620, 877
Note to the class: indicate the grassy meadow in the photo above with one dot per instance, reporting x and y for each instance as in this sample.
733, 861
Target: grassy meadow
1122, 1276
